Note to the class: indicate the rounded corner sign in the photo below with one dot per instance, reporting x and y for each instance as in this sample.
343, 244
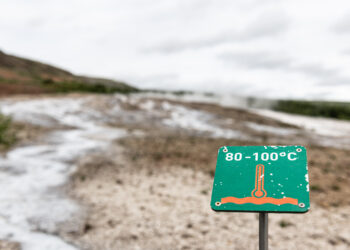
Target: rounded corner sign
261, 179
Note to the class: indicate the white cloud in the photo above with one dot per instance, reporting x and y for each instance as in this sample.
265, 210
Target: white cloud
266, 25
343, 25
214, 45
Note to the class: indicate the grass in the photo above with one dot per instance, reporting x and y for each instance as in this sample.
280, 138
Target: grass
174, 92
336, 110
75, 86
7, 136
23, 76
47, 85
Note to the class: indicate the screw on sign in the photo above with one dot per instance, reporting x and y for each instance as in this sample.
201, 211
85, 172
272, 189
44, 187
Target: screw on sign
261, 179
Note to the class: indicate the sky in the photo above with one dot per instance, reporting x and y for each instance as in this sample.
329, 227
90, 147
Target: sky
288, 49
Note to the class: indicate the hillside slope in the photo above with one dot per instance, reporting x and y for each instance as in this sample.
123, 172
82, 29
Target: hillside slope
22, 76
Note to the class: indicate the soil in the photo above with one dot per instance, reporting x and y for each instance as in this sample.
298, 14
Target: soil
152, 191
153, 196
24, 134
8, 245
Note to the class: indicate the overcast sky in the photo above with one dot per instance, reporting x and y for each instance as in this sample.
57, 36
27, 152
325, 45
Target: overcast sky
277, 49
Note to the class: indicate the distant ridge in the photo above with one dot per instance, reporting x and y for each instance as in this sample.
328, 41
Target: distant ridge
22, 76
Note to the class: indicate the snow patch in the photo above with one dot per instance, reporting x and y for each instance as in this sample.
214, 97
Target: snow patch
321, 126
185, 118
32, 175
270, 129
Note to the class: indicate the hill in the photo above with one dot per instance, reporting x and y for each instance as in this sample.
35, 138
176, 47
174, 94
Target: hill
22, 76
336, 110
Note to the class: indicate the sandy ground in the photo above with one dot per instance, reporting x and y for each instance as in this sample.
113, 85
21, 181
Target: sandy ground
7, 245
136, 206
151, 187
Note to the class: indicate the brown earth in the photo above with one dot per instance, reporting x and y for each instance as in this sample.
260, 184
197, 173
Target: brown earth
329, 169
24, 134
23, 76
155, 193
152, 192
7, 245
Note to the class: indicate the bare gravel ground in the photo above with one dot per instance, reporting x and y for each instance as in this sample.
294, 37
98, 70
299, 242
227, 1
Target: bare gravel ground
8, 245
135, 205
150, 189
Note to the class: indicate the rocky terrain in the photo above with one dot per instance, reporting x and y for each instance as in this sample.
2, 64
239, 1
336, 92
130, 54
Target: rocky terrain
136, 172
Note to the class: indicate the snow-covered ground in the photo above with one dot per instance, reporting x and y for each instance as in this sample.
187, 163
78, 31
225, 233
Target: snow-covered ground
327, 132
322, 131
33, 207
224, 100
185, 118
318, 125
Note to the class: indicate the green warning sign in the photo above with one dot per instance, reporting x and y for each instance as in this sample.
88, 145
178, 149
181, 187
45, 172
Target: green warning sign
261, 178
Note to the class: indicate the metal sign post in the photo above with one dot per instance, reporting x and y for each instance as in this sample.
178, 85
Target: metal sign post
261, 179
263, 231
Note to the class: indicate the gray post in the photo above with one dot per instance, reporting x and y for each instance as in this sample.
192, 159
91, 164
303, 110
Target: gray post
263, 231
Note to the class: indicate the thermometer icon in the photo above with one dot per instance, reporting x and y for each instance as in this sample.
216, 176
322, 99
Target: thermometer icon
259, 190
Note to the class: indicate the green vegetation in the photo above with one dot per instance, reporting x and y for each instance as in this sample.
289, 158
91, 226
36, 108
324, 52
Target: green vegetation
335, 187
75, 86
7, 137
284, 224
337, 110
174, 92
181, 92
23, 76
316, 188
